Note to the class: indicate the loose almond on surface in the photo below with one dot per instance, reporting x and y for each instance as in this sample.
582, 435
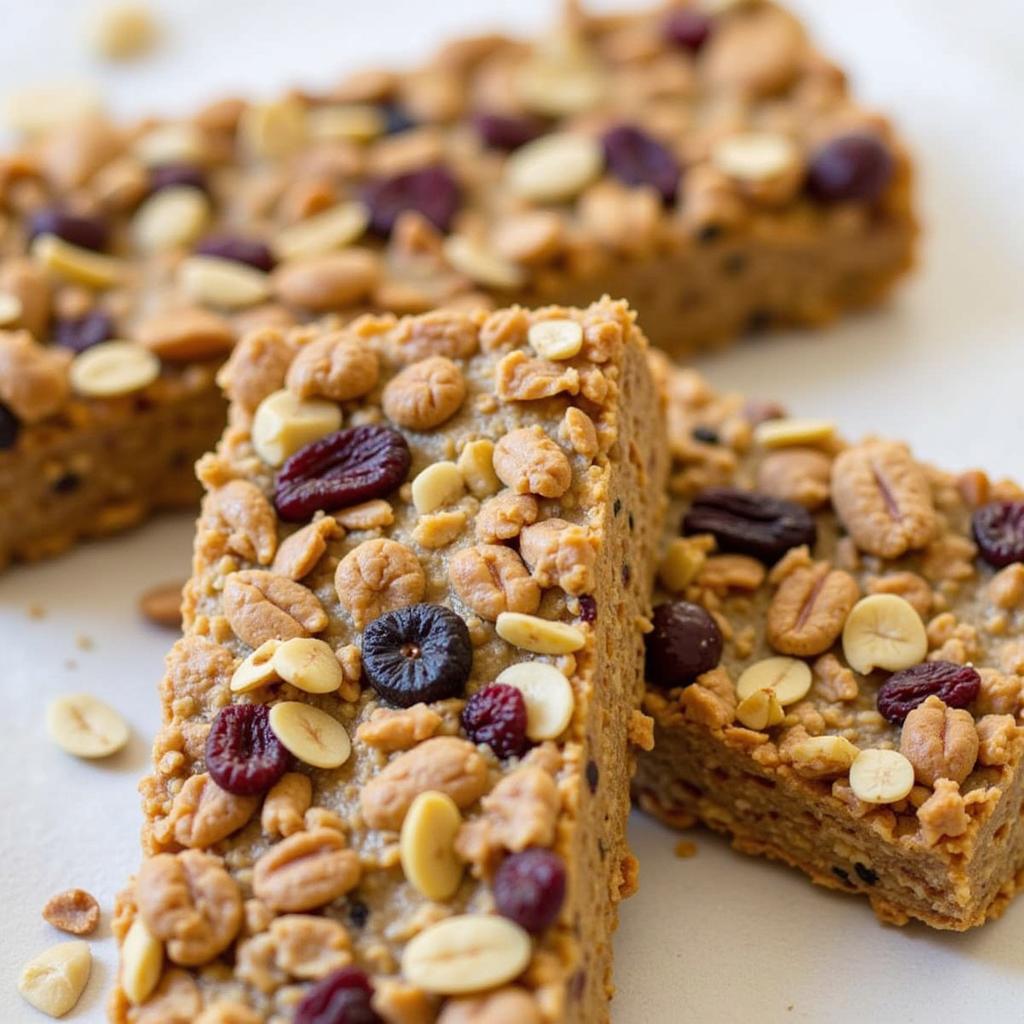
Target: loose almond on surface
54, 981
86, 727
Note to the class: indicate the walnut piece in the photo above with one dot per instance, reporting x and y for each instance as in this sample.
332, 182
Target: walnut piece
521, 378
336, 366
376, 577
286, 804
310, 947
74, 911
306, 870
297, 555
441, 332
504, 516
203, 814
399, 730
256, 367
529, 462
491, 579
560, 554
940, 742
943, 813
809, 608
1006, 588
425, 394
33, 378
796, 474
999, 738
912, 588
249, 517
261, 606
578, 429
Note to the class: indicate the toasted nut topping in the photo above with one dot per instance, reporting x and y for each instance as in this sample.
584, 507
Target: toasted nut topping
283, 424
306, 870
760, 710
84, 726
578, 429
548, 696
820, 757
428, 845
113, 368
884, 631
425, 394
161, 604
332, 280
225, 284
561, 81
786, 433
438, 485
682, 562
556, 339
331, 229
467, 953
808, 610
174, 143
74, 911
10, 309
787, 678
539, 635
529, 462
123, 31
492, 579
310, 734
257, 670
881, 776
755, 156
355, 122
554, 168
376, 577
510, 1005
246, 513
54, 980
273, 130
142, 960
482, 265
940, 742
796, 474
300, 552
82, 266
171, 218
41, 109
187, 334
476, 463
334, 366
284, 807
308, 664
261, 606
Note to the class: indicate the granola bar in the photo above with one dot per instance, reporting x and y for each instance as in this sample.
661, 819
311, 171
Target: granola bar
711, 167
397, 732
835, 671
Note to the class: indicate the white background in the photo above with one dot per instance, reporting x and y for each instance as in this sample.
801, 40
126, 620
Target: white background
717, 938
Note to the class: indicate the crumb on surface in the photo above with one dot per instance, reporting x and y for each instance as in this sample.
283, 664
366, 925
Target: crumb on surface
685, 849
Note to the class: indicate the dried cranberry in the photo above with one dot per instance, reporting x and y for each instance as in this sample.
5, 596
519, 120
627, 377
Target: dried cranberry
850, 168
588, 608
506, 131
684, 643
87, 232
418, 653
999, 531
431, 191
343, 468
241, 250
637, 159
10, 427
955, 685
243, 756
397, 120
81, 332
496, 715
173, 175
749, 523
529, 888
687, 28
343, 997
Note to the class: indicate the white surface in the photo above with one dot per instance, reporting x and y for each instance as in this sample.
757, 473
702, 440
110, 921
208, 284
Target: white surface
717, 938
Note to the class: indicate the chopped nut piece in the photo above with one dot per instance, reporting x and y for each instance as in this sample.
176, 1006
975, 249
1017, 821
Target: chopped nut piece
74, 911
788, 679
142, 959
491, 579
554, 168
529, 462
438, 485
682, 562
310, 734
76, 264
504, 516
796, 474
171, 218
559, 554
249, 517
760, 710
54, 980
425, 394
334, 366
943, 813
481, 264
299, 554
399, 730
305, 871
787, 433
225, 284
940, 742
823, 757
185, 334
123, 31
260, 606
113, 368
161, 604
324, 232
505, 1006
283, 424
257, 669
286, 804
376, 577
330, 281
556, 339
883, 631
476, 464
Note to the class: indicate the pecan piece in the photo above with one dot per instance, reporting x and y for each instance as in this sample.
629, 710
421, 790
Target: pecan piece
809, 608
376, 577
882, 497
425, 394
202, 813
399, 730
244, 509
529, 462
310, 947
306, 870
560, 554
335, 366
940, 742
796, 474
261, 606
298, 554
491, 579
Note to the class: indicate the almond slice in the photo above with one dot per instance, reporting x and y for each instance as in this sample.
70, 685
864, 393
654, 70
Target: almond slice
257, 670
428, 845
438, 485
309, 664
74, 263
171, 218
113, 368
554, 168
789, 679
881, 776
884, 631
548, 696
556, 339
283, 424
542, 636
323, 232
226, 284
788, 432
310, 734
86, 727
142, 959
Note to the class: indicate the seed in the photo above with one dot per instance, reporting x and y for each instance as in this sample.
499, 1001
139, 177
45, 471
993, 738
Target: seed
554, 168
310, 734
789, 679
324, 232
881, 776
75, 263
883, 631
257, 669
283, 424
113, 368
54, 980
428, 845
225, 284
142, 960
171, 218
548, 695
309, 664
438, 485
85, 726
541, 636
482, 265
556, 339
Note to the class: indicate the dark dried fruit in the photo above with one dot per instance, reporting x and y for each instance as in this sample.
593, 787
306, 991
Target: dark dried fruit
955, 685
242, 250
81, 332
998, 529
588, 608
397, 120
529, 888
344, 468
706, 435
243, 756
87, 232
431, 191
687, 28
684, 643
418, 653
637, 159
850, 168
10, 428
173, 175
496, 715
506, 131
748, 523
343, 997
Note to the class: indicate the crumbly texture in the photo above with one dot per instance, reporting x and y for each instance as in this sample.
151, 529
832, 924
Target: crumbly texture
949, 853
726, 248
569, 793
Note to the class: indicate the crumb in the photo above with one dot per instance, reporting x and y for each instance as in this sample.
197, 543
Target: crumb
84, 642
685, 849
36, 611
70, 664
74, 911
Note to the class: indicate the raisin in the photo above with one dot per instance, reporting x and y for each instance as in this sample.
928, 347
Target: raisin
243, 756
81, 332
684, 644
842, 874
418, 653
529, 888
748, 523
507, 132
397, 120
688, 29
850, 168
588, 608
637, 159
344, 468
431, 191
10, 428
344, 997
250, 251
998, 528
705, 435
173, 175
496, 715
66, 483
358, 913
593, 776
86, 232
955, 685
865, 874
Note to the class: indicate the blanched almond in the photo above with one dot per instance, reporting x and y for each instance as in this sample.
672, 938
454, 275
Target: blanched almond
556, 339
787, 678
86, 727
542, 636
54, 980
142, 959
309, 664
113, 368
884, 631
283, 424
428, 845
548, 696
310, 734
